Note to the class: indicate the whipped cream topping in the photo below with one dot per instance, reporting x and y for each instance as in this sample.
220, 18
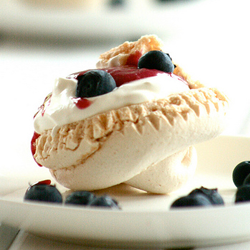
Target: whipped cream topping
62, 109
114, 61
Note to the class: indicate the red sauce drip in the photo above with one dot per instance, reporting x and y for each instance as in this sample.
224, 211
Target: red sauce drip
33, 146
178, 78
43, 107
43, 182
81, 103
134, 58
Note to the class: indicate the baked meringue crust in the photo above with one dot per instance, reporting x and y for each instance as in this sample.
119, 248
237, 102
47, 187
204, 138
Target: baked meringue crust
115, 146
148, 145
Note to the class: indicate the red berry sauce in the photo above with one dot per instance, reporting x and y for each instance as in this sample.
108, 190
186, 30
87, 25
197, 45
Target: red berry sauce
124, 74
33, 146
134, 58
43, 182
129, 72
81, 103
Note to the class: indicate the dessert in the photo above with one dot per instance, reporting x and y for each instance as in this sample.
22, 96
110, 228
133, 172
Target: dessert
128, 121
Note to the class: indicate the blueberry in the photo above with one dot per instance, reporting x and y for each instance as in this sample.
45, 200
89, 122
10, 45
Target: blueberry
43, 192
192, 201
79, 198
94, 83
116, 3
212, 194
104, 201
247, 180
156, 59
242, 194
240, 172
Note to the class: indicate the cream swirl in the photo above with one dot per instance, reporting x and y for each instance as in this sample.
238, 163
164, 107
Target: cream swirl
62, 109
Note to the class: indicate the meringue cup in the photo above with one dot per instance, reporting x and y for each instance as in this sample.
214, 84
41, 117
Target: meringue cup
144, 135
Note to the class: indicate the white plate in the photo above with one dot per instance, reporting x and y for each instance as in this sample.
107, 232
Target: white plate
145, 219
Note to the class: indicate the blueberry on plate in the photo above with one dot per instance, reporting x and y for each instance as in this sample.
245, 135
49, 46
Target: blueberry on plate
156, 59
94, 83
43, 192
240, 172
80, 198
195, 200
212, 194
247, 180
104, 201
242, 194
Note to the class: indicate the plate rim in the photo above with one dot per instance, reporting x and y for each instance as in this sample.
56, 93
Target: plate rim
148, 215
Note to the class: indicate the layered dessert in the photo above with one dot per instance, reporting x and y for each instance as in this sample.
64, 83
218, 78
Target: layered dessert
133, 119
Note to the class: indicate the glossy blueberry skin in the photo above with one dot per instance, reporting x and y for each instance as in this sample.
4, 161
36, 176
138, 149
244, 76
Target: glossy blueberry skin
240, 172
247, 180
94, 83
45, 193
196, 200
242, 194
156, 59
104, 201
80, 198
212, 194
